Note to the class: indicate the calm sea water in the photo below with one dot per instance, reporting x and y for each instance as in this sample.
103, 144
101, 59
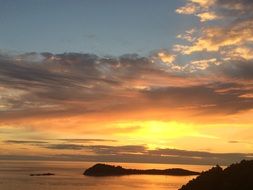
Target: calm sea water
14, 175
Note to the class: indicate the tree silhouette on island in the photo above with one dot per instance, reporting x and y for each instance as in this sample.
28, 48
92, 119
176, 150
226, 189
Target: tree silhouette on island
237, 176
110, 170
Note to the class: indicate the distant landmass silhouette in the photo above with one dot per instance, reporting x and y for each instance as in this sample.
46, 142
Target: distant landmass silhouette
237, 176
43, 174
110, 170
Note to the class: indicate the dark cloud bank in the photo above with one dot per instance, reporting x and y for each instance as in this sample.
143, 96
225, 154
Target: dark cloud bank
129, 153
72, 83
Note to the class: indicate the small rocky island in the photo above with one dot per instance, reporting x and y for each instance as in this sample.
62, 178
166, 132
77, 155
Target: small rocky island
110, 170
237, 176
42, 174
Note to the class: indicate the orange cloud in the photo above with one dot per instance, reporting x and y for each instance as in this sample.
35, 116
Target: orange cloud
215, 38
206, 16
188, 9
204, 64
238, 53
166, 57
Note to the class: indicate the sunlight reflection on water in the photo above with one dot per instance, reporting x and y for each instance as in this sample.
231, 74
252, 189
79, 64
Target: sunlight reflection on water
14, 175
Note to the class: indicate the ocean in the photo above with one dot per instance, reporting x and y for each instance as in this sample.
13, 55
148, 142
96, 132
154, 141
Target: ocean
15, 175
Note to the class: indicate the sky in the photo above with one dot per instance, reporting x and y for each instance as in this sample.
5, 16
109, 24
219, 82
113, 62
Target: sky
111, 27
127, 81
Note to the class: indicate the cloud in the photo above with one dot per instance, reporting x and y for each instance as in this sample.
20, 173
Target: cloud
60, 82
199, 8
226, 44
206, 16
65, 146
236, 69
233, 142
87, 140
188, 9
233, 8
25, 142
240, 142
99, 149
203, 3
238, 53
215, 38
232, 30
204, 64
210, 73
221, 98
188, 36
52, 140
200, 154
133, 153
71, 84
239, 6
166, 57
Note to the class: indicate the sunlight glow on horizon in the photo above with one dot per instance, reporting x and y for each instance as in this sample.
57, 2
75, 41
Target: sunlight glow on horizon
169, 80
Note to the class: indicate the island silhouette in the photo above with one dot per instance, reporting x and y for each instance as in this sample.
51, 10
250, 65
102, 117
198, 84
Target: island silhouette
111, 170
42, 174
237, 176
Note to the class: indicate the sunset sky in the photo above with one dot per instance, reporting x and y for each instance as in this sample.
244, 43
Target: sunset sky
165, 81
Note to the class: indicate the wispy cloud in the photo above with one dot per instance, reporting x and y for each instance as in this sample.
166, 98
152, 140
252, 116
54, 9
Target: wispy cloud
72, 84
32, 142
87, 140
133, 153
